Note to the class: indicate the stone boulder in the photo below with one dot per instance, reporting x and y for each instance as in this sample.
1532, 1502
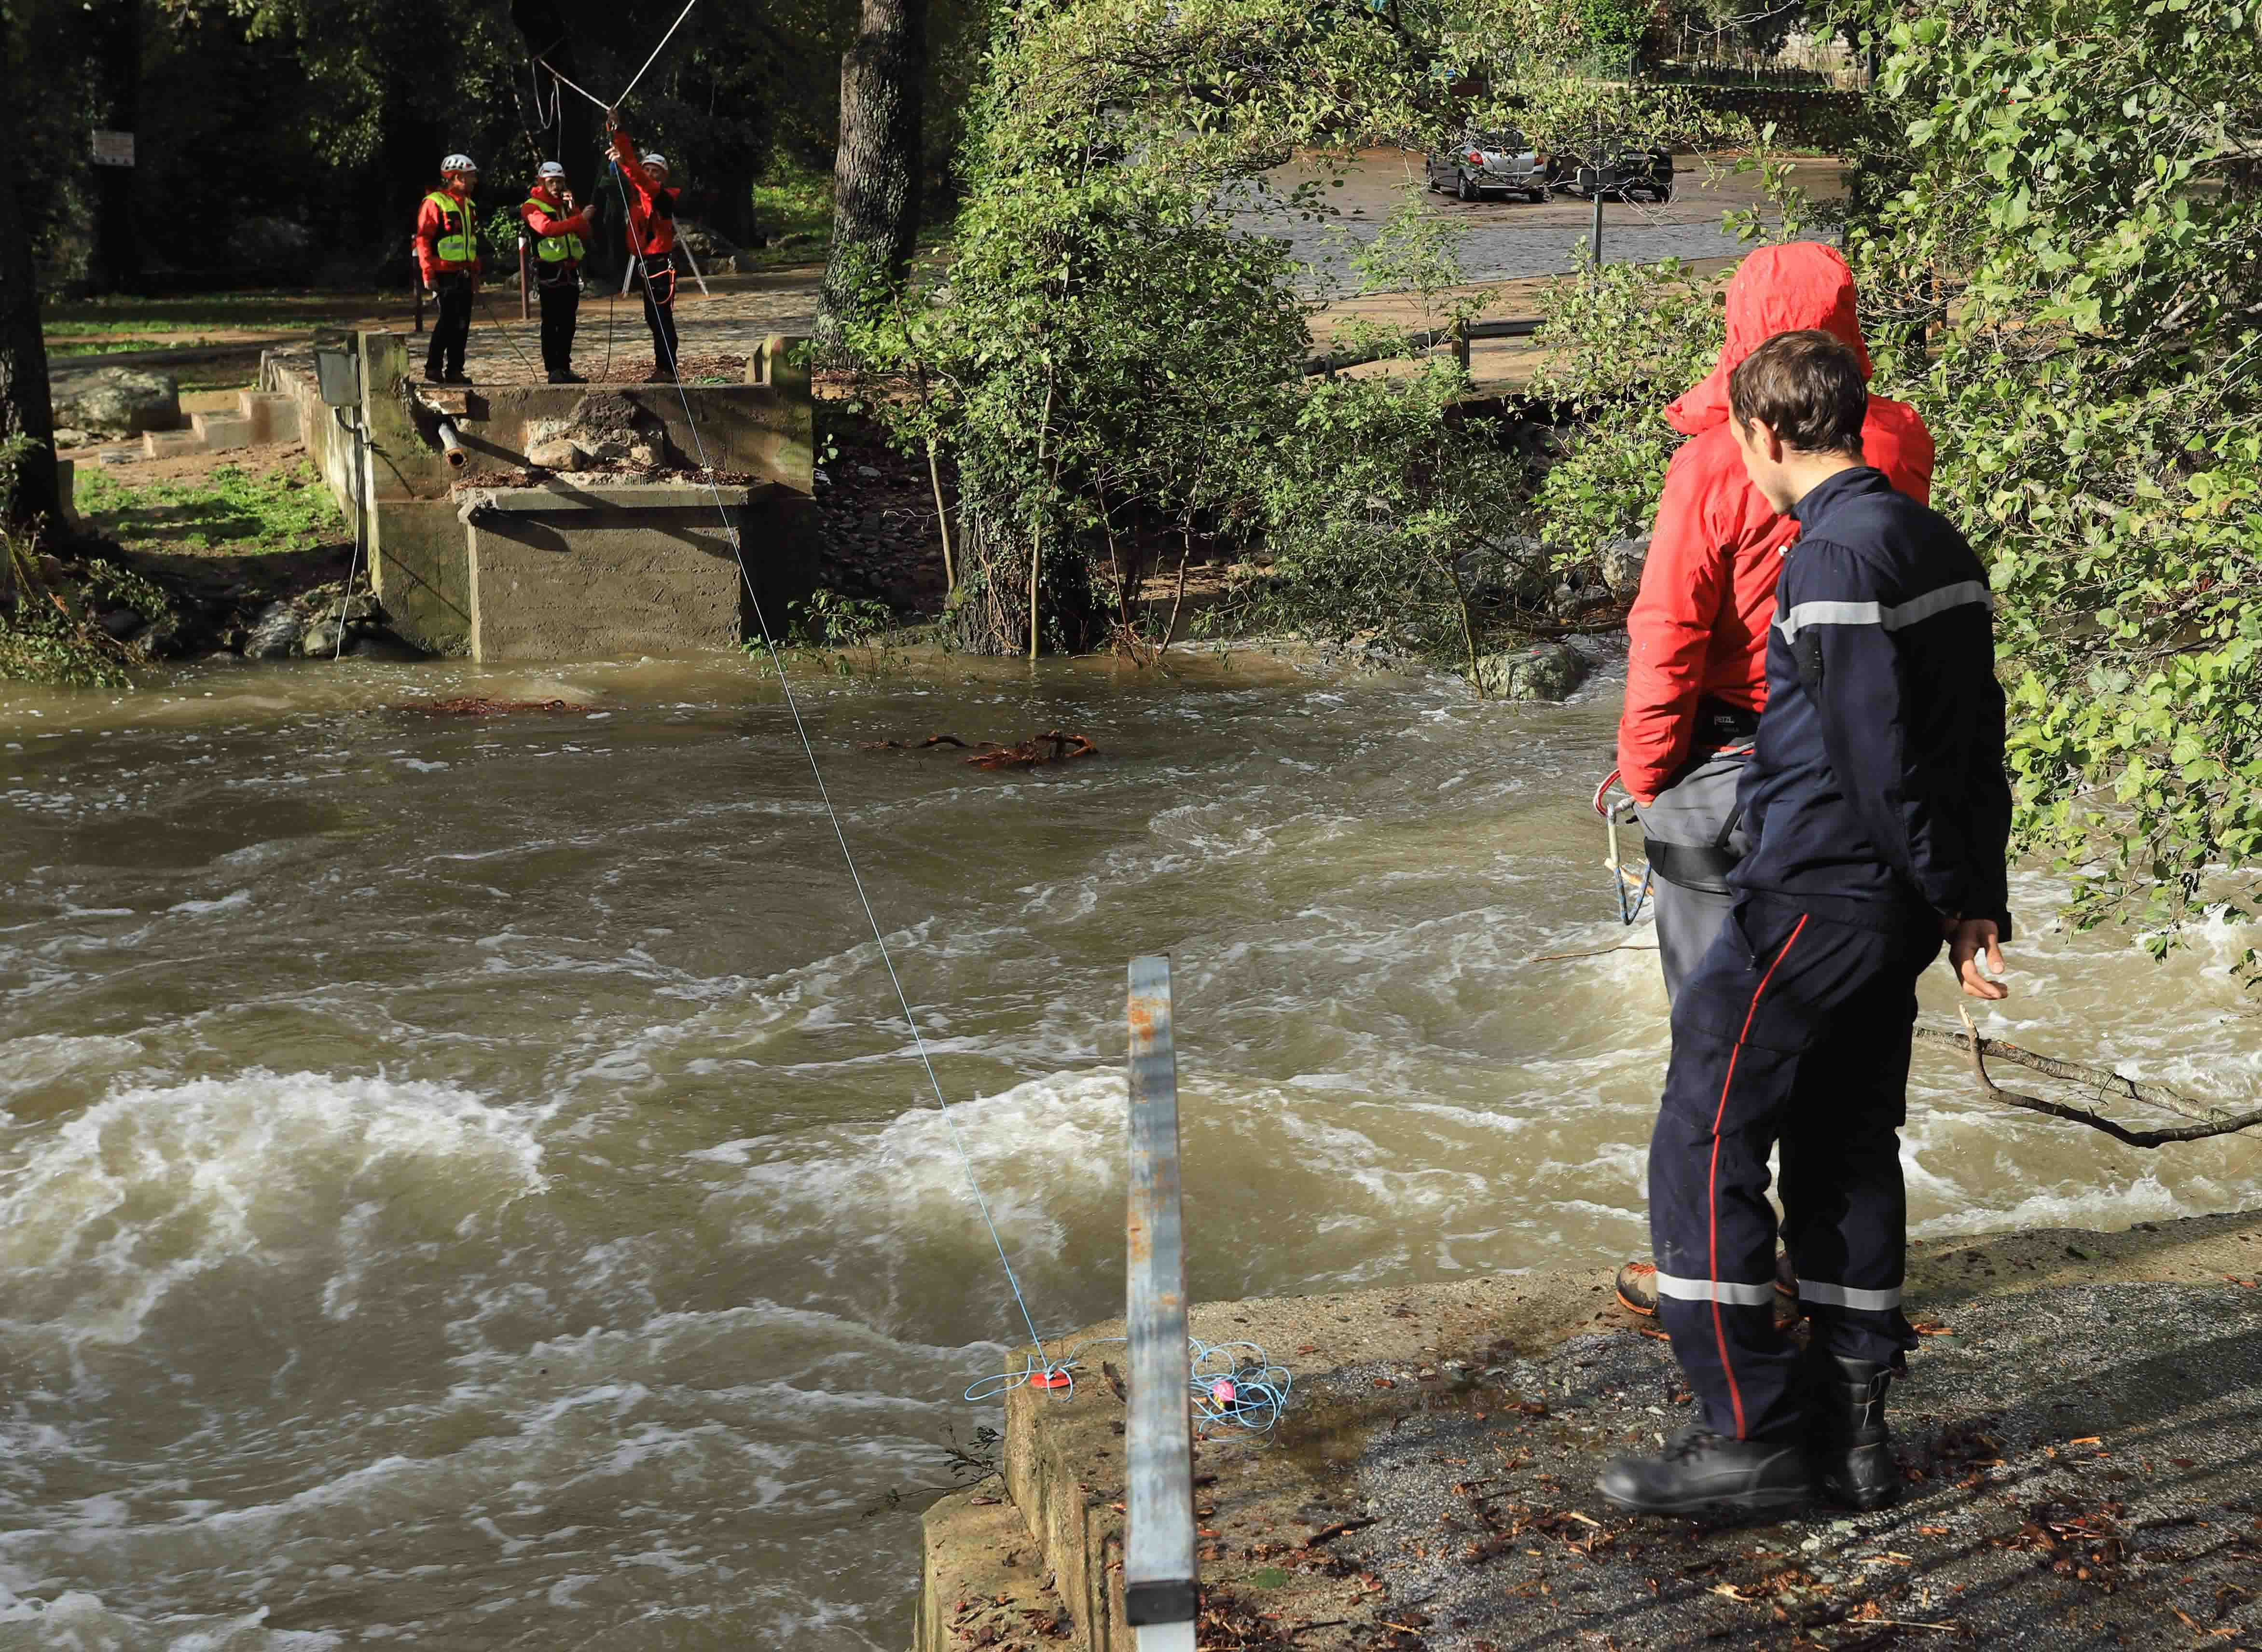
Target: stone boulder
116, 401
1545, 671
1622, 561
277, 634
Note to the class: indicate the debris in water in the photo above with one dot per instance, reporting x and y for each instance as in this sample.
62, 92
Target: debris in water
479, 705
1051, 746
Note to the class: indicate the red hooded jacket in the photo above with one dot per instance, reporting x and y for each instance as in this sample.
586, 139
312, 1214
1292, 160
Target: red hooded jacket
1699, 626
651, 204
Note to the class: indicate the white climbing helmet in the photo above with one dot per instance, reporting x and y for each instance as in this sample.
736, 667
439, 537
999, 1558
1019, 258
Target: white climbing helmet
655, 158
549, 169
459, 163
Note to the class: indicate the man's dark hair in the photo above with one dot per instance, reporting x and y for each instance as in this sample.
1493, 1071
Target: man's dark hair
1807, 387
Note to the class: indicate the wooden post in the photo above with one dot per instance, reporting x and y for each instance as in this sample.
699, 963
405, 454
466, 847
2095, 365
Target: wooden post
1158, 1544
523, 309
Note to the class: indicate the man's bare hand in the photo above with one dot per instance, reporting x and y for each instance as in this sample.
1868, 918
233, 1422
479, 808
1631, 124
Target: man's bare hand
1968, 939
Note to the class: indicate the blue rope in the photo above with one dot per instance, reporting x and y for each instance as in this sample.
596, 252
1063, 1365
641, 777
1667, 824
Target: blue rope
1227, 1390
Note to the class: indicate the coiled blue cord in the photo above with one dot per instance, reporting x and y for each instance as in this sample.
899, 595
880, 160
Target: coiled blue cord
1234, 1384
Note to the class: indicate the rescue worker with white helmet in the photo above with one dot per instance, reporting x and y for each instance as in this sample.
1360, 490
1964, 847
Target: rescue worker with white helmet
448, 257
555, 227
651, 240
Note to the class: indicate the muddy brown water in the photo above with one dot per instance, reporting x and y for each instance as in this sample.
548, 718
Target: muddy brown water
466, 1181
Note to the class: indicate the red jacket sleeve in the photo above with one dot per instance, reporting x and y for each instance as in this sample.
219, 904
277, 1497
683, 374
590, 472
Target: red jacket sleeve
633, 168
1669, 630
541, 225
428, 234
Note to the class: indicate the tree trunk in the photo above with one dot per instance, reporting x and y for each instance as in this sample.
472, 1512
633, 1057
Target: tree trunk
116, 265
876, 170
28, 496
989, 612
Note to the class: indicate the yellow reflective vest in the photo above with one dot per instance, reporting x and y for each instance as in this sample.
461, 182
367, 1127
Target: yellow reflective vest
554, 248
456, 244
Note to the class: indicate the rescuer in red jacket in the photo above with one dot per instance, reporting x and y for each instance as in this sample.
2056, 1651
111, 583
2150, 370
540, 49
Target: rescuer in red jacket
1697, 668
651, 241
448, 258
1696, 662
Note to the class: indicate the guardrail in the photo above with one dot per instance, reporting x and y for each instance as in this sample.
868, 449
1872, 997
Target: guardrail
1159, 1572
1457, 338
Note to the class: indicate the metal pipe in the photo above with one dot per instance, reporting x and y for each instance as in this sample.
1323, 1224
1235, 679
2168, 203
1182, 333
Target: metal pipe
452, 445
1158, 1546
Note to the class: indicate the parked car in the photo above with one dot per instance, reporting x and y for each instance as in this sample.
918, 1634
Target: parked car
1626, 174
1499, 161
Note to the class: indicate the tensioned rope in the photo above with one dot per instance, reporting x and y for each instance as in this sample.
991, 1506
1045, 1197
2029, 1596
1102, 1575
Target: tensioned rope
1035, 1367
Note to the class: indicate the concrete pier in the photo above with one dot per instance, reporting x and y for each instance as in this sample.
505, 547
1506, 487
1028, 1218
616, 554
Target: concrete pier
2076, 1437
585, 520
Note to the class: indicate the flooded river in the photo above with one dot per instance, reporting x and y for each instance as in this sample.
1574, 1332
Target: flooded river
467, 1182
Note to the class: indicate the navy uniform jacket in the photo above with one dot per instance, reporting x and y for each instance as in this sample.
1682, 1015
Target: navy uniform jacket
1877, 788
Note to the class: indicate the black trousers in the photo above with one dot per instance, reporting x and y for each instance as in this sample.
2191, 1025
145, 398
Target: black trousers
1794, 1029
451, 330
561, 311
659, 281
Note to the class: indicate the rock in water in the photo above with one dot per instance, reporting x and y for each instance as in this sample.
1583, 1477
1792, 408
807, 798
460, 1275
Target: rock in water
277, 635
1622, 562
116, 400
321, 641
1545, 671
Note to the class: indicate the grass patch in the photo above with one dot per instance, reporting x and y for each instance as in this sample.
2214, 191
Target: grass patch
104, 325
232, 511
793, 204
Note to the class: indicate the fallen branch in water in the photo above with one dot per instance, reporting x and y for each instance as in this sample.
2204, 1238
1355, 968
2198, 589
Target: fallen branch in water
912, 746
476, 706
2211, 1120
1051, 746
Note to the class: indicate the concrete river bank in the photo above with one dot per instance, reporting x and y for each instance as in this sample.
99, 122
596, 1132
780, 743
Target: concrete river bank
467, 1180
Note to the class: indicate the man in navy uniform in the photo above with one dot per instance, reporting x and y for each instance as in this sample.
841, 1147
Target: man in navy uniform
1880, 817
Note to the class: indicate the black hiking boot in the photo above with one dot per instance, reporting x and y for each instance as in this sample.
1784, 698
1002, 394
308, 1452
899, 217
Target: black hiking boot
1704, 1473
1851, 1446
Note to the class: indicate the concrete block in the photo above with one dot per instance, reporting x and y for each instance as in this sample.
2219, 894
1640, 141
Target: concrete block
166, 443
274, 416
566, 573
220, 431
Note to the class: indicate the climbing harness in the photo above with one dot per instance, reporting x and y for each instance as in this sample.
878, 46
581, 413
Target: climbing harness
1632, 891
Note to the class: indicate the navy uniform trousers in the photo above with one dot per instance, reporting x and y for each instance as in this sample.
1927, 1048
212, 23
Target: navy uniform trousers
1794, 1029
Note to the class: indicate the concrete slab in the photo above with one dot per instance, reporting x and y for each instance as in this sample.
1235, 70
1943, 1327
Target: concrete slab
219, 432
2076, 1440
274, 416
577, 572
162, 443
984, 1582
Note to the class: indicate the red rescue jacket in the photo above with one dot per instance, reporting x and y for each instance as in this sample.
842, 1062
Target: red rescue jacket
551, 218
1698, 628
429, 265
651, 204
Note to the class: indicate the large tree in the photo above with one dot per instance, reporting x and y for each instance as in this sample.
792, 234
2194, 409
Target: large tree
28, 497
875, 171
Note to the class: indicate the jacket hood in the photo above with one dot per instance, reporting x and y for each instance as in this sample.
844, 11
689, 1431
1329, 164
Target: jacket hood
1780, 289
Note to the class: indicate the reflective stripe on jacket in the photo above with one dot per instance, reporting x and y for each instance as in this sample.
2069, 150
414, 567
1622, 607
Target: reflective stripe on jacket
1699, 626
555, 238
447, 234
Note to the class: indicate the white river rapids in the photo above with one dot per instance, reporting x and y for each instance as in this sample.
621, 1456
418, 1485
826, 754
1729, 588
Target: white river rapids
467, 1182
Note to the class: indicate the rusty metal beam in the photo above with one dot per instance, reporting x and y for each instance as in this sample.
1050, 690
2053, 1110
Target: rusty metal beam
1158, 1549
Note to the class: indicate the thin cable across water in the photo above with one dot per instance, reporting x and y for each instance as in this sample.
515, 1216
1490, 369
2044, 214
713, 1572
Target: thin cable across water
1034, 1367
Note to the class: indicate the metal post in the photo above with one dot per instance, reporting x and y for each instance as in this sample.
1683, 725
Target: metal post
1158, 1549
523, 310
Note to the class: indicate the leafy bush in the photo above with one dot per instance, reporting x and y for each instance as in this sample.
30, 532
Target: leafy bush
2059, 250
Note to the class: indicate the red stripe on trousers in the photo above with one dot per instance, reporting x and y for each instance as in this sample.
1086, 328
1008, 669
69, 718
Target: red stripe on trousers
1712, 1178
